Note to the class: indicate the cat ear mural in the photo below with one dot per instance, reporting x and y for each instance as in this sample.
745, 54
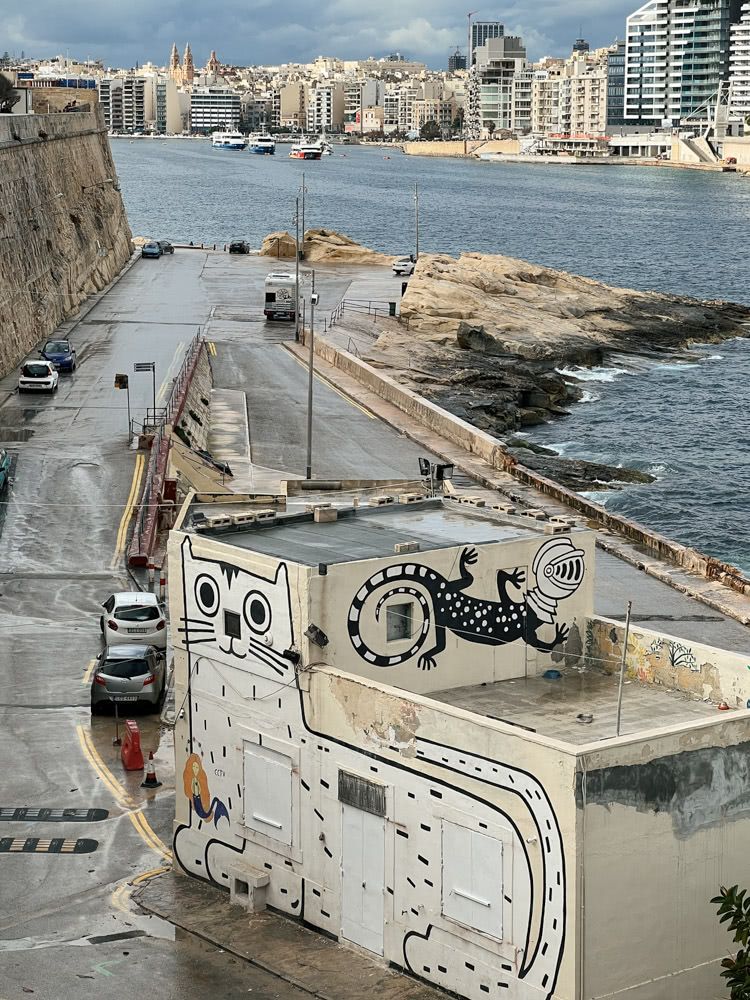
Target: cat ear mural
558, 568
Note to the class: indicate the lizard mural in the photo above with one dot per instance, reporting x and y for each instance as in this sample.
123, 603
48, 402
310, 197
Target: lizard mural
558, 570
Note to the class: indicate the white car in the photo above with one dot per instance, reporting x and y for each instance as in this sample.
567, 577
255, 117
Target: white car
134, 617
404, 265
38, 376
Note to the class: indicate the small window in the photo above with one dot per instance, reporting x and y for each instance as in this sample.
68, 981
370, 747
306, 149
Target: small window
232, 625
270, 296
398, 622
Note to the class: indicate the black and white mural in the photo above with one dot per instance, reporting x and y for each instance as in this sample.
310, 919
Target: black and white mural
246, 708
558, 571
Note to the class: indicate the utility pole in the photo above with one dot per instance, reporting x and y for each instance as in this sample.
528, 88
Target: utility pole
622, 666
416, 219
296, 270
311, 361
303, 213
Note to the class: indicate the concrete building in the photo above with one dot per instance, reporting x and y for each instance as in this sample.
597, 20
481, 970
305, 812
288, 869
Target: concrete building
739, 67
490, 98
456, 61
370, 740
214, 108
523, 80
438, 110
123, 102
289, 106
481, 33
358, 95
616, 86
570, 98
677, 56
163, 108
325, 108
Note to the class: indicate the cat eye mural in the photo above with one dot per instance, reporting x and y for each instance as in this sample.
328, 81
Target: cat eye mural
558, 569
236, 628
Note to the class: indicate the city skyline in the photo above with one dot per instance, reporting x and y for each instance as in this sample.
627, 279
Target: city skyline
123, 37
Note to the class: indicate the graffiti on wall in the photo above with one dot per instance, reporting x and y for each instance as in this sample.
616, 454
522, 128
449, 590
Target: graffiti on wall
558, 569
238, 633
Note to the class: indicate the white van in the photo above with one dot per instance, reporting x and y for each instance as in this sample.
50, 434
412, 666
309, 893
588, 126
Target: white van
279, 296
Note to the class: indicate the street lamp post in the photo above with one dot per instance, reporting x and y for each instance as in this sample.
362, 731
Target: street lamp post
296, 270
416, 220
313, 303
303, 213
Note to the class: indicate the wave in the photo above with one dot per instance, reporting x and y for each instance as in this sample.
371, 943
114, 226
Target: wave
589, 396
592, 374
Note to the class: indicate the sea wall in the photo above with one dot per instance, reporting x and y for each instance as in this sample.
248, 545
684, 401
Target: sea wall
63, 230
460, 148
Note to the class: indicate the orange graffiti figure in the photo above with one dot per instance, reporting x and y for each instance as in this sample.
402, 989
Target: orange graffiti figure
195, 784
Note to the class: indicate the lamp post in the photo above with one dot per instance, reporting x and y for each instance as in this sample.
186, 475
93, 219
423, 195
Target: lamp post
296, 270
416, 220
303, 214
313, 303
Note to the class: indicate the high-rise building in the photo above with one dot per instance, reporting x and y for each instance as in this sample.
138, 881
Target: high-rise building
581, 45
481, 32
456, 61
616, 86
739, 67
213, 109
677, 56
122, 100
490, 97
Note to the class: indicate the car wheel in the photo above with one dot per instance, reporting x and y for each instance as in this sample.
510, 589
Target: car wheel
96, 708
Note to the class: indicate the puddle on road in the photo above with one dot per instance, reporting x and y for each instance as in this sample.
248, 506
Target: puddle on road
143, 925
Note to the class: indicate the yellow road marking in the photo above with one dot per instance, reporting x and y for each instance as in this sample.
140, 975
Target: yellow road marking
135, 813
330, 385
170, 372
121, 794
145, 876
86, 679
135, 488
211, 347
147, 834
120, 898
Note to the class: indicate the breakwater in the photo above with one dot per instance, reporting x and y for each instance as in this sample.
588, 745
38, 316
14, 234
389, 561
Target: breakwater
63, 230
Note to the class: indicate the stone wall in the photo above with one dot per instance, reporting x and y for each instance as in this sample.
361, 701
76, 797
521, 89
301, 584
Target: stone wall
63, 230
460, 148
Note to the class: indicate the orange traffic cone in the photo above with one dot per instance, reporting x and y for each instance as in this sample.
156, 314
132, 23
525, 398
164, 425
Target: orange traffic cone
150, 781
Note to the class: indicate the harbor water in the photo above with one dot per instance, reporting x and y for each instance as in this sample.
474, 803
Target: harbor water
647, 228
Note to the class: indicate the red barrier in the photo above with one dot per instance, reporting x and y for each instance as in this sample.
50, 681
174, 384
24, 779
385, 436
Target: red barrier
130, 752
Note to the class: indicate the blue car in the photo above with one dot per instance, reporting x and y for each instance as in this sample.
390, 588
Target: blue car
151, 250
60, 354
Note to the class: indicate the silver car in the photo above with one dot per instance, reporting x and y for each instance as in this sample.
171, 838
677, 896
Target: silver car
127, 675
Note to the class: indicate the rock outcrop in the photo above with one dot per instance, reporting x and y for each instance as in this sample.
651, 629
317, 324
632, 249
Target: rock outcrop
492, 339
63, 230
323, 245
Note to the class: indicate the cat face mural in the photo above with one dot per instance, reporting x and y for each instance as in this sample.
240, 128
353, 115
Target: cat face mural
232, 615
558, 569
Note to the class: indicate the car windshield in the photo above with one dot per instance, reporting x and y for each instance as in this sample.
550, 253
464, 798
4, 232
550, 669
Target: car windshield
137, 613
35, 371
125, 669
56, 347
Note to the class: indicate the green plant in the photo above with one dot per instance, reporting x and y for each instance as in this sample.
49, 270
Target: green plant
734, 907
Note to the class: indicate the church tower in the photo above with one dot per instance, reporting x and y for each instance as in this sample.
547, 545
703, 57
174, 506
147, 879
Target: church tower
213, 66
188, 68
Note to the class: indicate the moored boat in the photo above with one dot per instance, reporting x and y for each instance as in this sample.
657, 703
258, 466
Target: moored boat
263, 144
229, 140
306, 150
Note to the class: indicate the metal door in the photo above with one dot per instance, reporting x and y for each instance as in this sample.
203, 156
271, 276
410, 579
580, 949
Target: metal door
362, 878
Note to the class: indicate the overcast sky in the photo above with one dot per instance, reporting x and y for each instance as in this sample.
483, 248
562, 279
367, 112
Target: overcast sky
269, 32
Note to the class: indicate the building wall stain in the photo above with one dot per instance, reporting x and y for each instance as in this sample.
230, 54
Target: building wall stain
697, 788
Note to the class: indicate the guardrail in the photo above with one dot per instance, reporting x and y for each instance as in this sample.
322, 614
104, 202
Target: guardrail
143, 542
369, 307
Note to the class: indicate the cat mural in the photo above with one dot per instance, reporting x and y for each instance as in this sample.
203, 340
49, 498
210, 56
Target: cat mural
237, 631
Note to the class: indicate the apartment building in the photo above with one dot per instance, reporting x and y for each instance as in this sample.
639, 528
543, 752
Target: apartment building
213, 109
325, 108
739, 67
123, 102
616, 86
490, 96
438, 110
677, 56
358, 95
481, 33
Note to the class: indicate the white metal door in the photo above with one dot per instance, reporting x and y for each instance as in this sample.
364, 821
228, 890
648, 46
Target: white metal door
363, 875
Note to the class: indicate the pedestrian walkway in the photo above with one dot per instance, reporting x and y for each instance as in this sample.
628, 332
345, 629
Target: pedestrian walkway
303, 958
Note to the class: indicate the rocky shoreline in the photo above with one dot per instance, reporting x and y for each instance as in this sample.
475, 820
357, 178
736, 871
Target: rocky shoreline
492, 339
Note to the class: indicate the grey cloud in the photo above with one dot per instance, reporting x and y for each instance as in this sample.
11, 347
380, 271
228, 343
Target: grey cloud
297, 30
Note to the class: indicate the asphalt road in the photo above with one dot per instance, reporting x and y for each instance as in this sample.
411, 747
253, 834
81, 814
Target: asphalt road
63, 916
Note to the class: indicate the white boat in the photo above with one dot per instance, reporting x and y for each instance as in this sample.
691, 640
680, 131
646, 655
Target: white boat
228, 140
263, 144
306, 150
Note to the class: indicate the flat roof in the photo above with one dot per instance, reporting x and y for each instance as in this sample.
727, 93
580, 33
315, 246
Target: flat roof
551, 707
370, 532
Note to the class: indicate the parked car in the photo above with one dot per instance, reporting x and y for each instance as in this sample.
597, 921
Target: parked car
166, 246
4, 469
151, 250
61, 354
128, 674
134, 616
404, 265
239, 246
38, 376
